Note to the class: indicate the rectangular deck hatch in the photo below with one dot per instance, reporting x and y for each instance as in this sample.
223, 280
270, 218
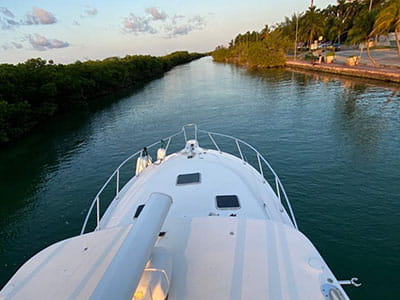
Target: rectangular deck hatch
139, 210
227, 202
188, 178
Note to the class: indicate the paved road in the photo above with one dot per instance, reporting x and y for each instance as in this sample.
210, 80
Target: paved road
382, 56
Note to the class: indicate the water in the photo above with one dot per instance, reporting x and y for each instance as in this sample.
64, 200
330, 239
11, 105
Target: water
334, 142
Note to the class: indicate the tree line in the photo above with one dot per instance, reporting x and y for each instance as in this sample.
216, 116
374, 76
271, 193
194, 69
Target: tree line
34, 91
349, 22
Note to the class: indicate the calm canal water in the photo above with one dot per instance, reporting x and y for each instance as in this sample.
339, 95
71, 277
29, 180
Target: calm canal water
334, 142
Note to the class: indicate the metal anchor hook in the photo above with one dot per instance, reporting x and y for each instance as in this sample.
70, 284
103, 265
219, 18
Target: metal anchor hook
352, 281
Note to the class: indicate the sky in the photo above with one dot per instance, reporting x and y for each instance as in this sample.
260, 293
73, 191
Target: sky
66, 31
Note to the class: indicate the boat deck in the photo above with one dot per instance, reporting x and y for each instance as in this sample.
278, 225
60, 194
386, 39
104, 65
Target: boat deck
239, 258
220, 174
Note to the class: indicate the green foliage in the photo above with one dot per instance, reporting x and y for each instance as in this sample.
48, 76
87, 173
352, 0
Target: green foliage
362, 28
222, 54
262, 50
388, 18
14, 119
33, 91
335, 21
312, 24
261, 56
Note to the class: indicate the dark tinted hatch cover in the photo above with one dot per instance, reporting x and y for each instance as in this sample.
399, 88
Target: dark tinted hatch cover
227, 202
188, 178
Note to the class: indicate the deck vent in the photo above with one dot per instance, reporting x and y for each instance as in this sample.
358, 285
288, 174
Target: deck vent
188, 178
227, 202
139, 210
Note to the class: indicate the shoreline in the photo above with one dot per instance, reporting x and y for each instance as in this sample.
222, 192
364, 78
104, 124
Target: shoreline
382, 74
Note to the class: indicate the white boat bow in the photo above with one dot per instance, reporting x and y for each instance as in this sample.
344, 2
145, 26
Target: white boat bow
198, 223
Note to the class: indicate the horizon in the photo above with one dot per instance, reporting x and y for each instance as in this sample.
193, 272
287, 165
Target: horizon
95, 30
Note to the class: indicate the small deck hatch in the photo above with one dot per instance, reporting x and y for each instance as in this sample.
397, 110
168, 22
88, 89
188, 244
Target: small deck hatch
227, 202
188, 178
138, 210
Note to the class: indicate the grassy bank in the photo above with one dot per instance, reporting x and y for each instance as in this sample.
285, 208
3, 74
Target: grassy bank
34, 91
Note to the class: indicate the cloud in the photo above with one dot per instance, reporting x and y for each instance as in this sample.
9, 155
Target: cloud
40, 16
42, 43
156, 14
91, 12
175, 18
6, 46
17, 45
12, 22
181, 29
194, 23
6, 12
6, 23
174, 26
198, 22
136, 24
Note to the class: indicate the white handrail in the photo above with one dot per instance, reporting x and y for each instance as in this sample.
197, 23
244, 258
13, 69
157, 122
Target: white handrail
260, 158
190, 125
116, 173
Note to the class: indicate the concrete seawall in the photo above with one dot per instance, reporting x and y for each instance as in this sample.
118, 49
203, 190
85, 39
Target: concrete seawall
385, 74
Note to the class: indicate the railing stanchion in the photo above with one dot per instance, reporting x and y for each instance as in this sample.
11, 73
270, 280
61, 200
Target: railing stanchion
166, 148
215, 144
98, 212
259, 164
184, 133
240, 151
278, 192
117, 189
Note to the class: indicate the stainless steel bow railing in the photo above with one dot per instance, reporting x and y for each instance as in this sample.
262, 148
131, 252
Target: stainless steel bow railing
279, 189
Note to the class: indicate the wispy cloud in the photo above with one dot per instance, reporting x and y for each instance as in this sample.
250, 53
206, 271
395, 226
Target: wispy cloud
6, 46
156, 14
91, 11
5, 11
175, 18
42, 43
36, 16
135, 24
7, 23
17, 45
12, 45
171, 27
175, 29
12, 22
39, 16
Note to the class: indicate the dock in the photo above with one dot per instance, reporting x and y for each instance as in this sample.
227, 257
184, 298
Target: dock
390, 74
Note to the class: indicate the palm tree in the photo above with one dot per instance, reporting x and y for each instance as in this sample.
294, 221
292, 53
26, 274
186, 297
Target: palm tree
389, 18
312, 24
265, 32
343, 12
361, 31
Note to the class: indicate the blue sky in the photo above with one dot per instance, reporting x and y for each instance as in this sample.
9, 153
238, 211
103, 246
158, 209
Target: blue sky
66, 31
